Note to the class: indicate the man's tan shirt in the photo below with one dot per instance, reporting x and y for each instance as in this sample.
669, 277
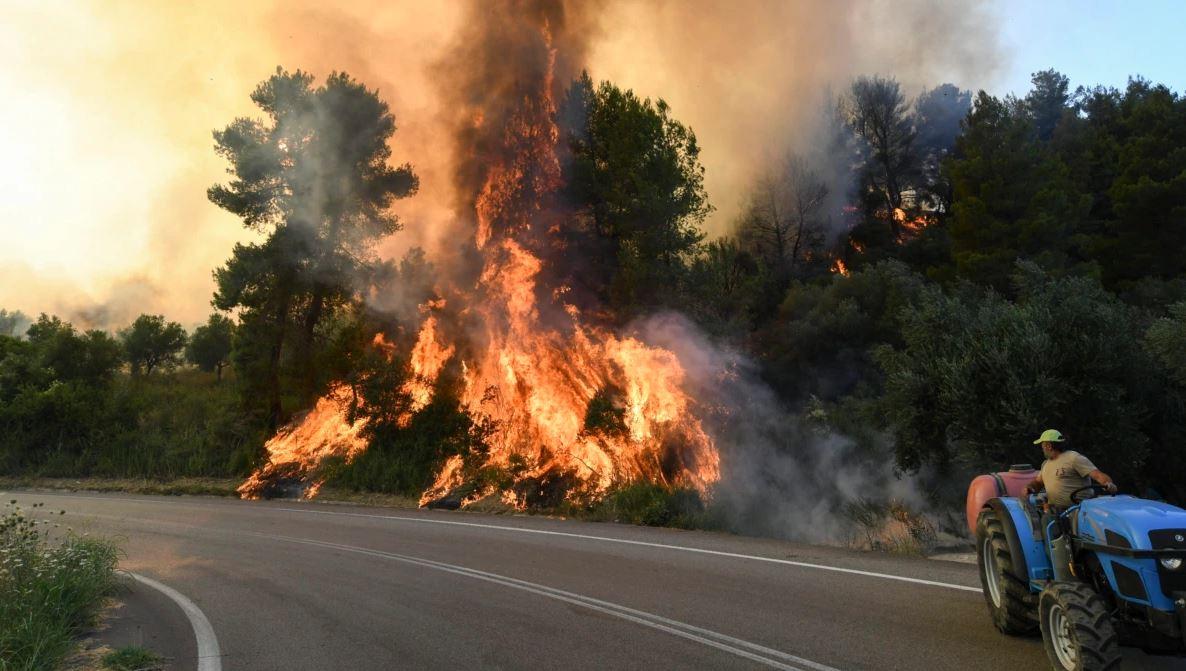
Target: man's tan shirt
1064, 474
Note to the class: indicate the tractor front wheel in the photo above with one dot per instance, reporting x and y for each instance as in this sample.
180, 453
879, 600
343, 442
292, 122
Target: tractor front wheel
1077, 629
1008, 599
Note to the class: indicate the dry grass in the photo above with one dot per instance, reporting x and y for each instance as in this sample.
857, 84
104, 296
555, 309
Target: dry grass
186, 486
334, 495
890, 527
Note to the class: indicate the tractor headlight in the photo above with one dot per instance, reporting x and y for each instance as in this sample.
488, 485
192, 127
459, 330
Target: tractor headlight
1172, 563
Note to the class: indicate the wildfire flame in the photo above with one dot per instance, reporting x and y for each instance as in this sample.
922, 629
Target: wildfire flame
569, 400
322, 432
911, 226
429, 357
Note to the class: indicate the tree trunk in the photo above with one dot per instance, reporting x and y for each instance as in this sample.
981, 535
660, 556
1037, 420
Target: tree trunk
891, 207
312, 317
275, 411
797, 243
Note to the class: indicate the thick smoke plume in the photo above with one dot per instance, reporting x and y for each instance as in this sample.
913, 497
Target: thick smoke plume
504, 56
746, 76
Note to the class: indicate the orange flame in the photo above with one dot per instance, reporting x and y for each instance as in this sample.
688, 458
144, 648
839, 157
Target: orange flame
325, 431
428, 358
911, 226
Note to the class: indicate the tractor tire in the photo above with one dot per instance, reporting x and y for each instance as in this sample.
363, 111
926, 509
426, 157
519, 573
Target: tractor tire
1077, 630
1010, 603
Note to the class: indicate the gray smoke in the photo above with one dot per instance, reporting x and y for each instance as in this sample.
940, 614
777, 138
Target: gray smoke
783, 473
14, 323
751, 76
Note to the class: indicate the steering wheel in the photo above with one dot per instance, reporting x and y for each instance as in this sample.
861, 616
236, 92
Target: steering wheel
1098, 489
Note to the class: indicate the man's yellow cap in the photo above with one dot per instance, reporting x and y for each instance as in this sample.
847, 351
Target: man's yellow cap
1049, 436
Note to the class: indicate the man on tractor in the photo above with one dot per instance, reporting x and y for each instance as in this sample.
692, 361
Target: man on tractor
1064, 471
1091, 573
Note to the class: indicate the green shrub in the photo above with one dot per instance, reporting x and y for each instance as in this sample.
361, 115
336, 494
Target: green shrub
404, 458
165, 427
48, 591
979, 373
655, 505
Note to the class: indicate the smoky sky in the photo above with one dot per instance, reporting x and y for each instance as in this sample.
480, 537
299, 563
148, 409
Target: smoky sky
111, 105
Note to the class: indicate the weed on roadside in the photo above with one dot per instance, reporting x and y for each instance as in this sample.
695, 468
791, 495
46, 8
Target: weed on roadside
133, 658
50, 590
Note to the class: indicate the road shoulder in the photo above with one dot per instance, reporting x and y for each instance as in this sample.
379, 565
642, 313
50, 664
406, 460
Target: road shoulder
143, 617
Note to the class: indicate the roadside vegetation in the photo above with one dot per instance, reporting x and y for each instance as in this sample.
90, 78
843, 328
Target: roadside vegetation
151, 486
133, 658
654, 505
954, 274
51, 588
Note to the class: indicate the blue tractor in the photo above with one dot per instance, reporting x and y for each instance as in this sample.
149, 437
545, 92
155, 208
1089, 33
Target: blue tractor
1106, 572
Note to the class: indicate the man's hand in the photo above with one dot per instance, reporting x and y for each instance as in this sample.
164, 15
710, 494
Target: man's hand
1103, 479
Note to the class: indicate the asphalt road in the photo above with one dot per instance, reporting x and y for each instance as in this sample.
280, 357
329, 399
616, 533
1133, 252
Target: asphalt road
315, 586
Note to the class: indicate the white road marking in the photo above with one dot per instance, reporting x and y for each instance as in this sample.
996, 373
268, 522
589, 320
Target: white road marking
736, 646
665, 546
752, 651
209, 655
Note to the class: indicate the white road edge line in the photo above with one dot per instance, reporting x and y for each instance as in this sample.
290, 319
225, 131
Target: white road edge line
665, 546
723, 642
209, 655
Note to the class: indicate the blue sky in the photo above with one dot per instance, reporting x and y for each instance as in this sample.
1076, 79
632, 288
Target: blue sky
1094, 41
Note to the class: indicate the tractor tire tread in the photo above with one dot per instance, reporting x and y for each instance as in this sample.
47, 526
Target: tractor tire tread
1015, 614
1099, 644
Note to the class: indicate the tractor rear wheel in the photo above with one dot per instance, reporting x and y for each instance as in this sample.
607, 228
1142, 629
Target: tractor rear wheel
1077, 629
1009, 601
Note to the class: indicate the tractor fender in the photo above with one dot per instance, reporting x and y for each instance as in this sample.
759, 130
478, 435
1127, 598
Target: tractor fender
1030, 562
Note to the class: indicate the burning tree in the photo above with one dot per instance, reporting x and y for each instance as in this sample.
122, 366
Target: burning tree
574, 407
315, 175
879, 114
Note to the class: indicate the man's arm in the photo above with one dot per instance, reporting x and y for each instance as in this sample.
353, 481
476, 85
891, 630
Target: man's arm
1035, 485
1084, 466
1103, 479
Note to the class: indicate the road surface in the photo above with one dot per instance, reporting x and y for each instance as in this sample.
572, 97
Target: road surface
290, 585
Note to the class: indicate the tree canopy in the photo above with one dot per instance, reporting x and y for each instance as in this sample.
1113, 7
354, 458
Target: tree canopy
879, 114
210, 345
315, 176
635, 179
151, 343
